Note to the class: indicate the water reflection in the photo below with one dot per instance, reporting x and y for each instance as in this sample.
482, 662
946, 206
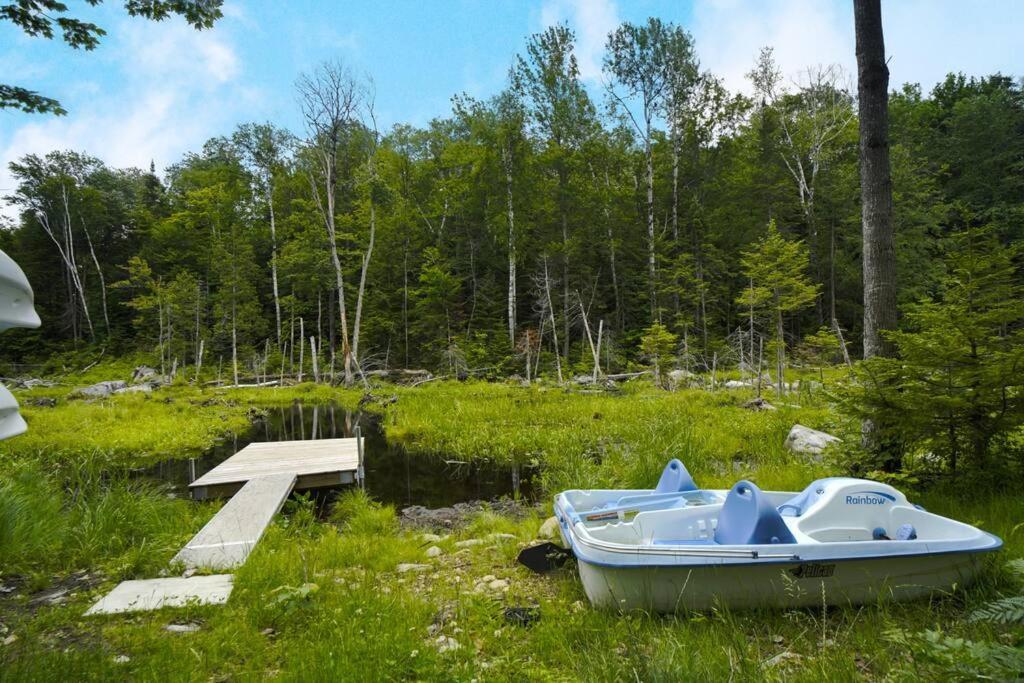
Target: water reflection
392, 475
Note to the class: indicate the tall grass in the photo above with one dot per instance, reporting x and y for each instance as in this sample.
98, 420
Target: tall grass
588, 440
78, 517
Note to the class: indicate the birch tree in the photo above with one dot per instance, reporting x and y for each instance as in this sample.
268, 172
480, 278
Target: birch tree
265, 148
548, 77
648, 63
331, 99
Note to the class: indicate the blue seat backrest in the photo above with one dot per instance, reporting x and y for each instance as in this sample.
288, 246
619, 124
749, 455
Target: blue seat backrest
748, 518
675, 478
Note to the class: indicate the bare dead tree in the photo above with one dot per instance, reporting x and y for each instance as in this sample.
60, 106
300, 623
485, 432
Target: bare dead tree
331, 98
543, 284
812, 118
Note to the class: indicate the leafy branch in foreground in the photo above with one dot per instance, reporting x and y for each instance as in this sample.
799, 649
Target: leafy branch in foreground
40, 18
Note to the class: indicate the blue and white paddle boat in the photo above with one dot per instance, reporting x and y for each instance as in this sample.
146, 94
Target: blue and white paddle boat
840, 541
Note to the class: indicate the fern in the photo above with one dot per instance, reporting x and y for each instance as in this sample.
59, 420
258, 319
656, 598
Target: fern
1016, 567
1004, 611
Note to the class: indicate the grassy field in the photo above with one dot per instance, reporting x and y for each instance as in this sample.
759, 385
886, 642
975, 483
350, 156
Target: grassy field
322, 599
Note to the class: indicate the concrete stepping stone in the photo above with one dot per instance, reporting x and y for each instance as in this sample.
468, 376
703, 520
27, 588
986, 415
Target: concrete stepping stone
150, 594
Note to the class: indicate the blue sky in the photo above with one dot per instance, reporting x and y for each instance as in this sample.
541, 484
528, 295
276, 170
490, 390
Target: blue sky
155, 91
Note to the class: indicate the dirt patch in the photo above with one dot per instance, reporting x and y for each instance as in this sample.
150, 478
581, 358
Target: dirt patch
460, 514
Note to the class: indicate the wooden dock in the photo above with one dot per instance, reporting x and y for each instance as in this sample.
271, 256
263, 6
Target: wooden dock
261, 476
321, 462
228, 538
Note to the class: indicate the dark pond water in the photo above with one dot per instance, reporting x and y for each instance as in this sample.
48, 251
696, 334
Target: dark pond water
392, 475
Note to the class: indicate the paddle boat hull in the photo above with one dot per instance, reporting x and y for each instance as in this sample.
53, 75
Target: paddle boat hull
841, 541
789, 584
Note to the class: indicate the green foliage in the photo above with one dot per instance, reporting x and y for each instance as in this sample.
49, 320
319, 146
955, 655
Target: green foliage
39, 18
1003, 611
777, 271
955, 389
657, 344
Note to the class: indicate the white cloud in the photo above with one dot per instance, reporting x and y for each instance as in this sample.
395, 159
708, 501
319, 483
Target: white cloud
729, 34
924, 39
592, 20
174, 87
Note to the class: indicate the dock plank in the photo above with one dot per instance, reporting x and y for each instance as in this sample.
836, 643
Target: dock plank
228, 538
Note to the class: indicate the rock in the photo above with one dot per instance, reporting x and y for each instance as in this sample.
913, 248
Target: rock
758, 404
549, 529
54, 597
737, 384
488, 578
498, 585
806, 440
122, 659
10, 640
33, 382
101, 389
784, 658
680, 378
446, 643
430, 538
182, 628
434, 551
411, 567
143, 373
468, 543
500, 537
42, 402
136, 389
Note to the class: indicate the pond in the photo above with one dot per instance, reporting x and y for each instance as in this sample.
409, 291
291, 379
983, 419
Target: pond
392, 475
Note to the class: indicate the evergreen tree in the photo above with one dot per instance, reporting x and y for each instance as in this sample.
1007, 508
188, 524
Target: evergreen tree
776, 269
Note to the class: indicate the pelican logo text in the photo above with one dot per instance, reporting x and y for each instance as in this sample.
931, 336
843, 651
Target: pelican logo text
813, 571
869, 498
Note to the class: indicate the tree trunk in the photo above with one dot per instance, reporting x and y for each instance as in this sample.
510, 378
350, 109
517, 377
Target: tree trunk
611, 252
876, 200
780, 353
103, 282
362, 289
875, 179
651, 265
273, 262
511, 250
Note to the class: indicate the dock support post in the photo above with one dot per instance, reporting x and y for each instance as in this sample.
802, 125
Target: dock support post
360, 472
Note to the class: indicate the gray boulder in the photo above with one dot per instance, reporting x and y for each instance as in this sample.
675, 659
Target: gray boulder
680, 378
136, 389
102, 389
803, 439
144, 373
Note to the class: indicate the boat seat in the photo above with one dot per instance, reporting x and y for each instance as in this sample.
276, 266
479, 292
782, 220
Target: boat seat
748, 518
675, 478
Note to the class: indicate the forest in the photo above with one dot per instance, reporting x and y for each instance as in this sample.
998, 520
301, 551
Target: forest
514, 223
546, 231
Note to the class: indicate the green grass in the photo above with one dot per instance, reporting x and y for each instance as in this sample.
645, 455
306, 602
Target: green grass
132, 429
602, 440
320, 599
